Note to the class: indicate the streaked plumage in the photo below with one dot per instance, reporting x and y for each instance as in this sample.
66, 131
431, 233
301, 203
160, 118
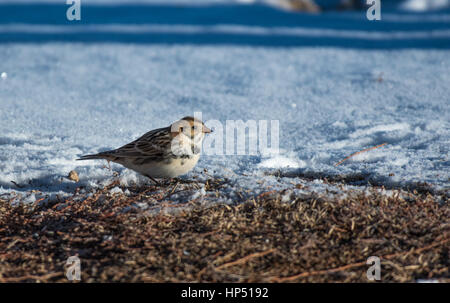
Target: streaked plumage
161, 153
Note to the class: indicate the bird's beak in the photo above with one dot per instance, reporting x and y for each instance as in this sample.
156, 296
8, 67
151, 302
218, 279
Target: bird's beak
206, 130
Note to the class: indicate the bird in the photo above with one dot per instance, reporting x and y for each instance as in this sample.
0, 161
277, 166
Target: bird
166, 152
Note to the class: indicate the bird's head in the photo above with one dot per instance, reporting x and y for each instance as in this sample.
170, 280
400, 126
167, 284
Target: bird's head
190, 127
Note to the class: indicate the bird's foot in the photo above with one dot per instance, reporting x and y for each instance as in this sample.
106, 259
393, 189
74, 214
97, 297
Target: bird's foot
175, 180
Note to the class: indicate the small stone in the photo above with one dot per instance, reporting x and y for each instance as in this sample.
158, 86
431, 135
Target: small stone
4, 75
73, 176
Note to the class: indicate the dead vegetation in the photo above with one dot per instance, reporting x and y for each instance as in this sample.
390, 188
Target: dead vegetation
305, 239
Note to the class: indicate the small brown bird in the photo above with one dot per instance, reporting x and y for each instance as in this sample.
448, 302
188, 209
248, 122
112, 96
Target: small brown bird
165, 152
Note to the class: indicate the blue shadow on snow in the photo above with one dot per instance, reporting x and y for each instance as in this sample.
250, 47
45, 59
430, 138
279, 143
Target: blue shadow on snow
260, 16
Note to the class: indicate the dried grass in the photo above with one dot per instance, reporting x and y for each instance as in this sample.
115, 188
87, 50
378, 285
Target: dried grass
308, 239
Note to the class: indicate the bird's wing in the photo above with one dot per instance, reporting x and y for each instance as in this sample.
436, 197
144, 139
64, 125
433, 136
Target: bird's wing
153, 144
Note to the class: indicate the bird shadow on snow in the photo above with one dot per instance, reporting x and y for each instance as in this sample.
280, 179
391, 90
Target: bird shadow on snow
48, 182
182, 24
58, 183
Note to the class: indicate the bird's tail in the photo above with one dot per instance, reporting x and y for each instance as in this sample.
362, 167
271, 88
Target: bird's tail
94, 156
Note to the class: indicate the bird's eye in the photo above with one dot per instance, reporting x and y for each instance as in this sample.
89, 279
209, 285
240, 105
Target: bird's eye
194, 127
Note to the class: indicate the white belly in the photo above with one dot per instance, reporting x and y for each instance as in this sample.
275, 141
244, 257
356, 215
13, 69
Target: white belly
175, 168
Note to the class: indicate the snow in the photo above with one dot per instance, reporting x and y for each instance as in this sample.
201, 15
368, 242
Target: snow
116, 190
425, 5
70, 90
279, 161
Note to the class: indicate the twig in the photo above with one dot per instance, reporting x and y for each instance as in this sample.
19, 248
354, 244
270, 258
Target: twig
246, 258
355, 265
361, 151
262, 195
172, 191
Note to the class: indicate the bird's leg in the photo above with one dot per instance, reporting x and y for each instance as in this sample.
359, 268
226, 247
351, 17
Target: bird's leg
153, 179
108, 167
